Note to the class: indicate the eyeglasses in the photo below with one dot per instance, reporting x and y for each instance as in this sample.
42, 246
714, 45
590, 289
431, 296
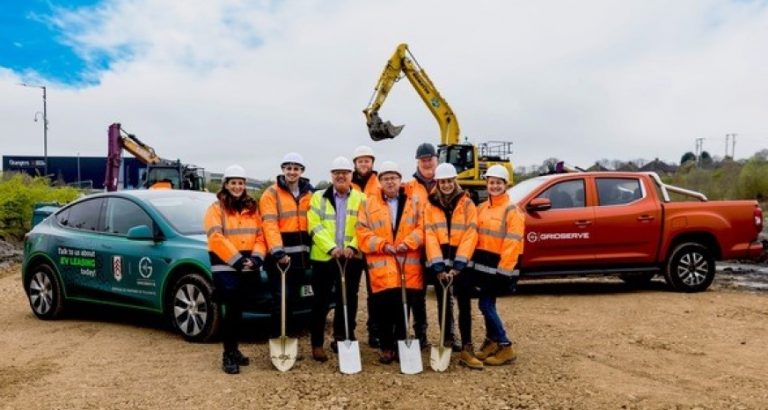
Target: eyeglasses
341, 173
389, 179
292, 168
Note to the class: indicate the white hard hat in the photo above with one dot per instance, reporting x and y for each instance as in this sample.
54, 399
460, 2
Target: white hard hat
363, 151
498, 171
389, 166
445, 171
341, 164
293, 158
234, 171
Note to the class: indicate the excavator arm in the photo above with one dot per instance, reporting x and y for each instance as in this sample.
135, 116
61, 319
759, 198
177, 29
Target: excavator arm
159, 170
403, 61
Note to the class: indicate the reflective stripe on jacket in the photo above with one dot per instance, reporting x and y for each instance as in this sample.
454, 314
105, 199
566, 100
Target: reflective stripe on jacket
374, 231
232, 234
500, 231
285, 217
322, 222
372, 186
462, 228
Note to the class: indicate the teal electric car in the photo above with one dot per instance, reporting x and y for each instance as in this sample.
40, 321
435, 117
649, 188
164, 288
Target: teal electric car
142, 249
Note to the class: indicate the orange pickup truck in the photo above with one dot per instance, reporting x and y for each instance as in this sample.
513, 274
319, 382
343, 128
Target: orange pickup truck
624, 223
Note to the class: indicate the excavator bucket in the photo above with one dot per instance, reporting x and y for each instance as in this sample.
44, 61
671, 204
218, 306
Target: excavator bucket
380, 130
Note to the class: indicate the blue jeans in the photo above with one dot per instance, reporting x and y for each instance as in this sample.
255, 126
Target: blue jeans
494, 328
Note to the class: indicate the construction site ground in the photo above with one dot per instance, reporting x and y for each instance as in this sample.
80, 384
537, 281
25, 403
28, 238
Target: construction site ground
583, 344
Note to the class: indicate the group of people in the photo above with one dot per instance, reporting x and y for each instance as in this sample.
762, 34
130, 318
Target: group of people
373, 225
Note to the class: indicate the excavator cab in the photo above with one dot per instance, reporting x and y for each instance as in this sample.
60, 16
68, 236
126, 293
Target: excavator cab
461, 156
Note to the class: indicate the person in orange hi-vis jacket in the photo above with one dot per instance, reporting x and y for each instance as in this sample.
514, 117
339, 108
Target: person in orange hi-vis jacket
236, 248
365, 180
500, 230
390, 227
284, 207
450, 225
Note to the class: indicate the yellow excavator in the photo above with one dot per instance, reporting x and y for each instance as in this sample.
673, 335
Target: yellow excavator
471, 161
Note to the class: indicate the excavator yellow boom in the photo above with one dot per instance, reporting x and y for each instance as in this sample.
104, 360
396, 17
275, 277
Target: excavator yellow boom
403, 61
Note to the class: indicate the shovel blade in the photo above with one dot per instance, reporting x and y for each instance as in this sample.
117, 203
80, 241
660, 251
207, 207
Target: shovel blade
410, 356
349, 357
283, 351
440, 358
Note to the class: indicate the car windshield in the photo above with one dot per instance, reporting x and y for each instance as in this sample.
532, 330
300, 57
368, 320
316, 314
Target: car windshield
519, 191
184, 212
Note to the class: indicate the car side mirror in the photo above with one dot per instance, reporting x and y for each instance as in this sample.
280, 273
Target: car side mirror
140, 232
539, 204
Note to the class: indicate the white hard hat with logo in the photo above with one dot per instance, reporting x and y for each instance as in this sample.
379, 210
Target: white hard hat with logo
341, 164
234, 171
293, 158
363, 151
498, 171
445, 171
387, 167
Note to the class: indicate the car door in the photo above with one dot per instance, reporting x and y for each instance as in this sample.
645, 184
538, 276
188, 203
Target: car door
136, 267
628, 222
560, 236
76, 249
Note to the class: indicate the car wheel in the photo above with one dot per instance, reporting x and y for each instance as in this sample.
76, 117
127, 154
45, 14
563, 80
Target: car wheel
637, 280
192, 309
44, 292
690, 268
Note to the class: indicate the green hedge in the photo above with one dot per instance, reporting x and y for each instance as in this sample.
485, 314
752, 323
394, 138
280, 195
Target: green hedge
18, 195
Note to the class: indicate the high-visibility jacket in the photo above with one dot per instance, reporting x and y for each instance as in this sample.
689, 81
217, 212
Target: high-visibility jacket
162, 185
450, 235
416, 188
285, 219
232, 234
375, 231
322, 222
500, 231
372, 184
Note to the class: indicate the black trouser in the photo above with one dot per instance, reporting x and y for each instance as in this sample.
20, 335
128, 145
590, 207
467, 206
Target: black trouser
419, 309
462, 290
326, 284
230, 293
293, 280
391, 319
372, 323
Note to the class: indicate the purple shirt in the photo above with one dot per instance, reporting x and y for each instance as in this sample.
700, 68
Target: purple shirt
341, 216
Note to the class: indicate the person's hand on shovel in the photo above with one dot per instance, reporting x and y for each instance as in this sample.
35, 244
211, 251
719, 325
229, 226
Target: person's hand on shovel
337, 253
390, 249
402, 248
349, 253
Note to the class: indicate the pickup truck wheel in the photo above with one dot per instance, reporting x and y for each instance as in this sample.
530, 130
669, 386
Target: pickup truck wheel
192, 309
637, 280
690, 268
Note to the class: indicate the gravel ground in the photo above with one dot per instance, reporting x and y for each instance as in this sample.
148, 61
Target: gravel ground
582, 344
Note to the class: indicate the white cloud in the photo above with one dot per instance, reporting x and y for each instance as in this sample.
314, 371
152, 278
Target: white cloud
245, 82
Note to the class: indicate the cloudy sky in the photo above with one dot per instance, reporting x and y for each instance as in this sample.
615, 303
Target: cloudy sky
218, 82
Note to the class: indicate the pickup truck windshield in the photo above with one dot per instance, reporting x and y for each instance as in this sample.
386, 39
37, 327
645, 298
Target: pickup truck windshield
519, 191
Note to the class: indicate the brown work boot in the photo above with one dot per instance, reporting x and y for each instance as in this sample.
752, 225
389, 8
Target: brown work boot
505, 354
488, 348
468, 358
318, 353
387, 356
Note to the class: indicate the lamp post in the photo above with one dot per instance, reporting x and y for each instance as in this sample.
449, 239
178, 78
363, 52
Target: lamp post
45, 124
